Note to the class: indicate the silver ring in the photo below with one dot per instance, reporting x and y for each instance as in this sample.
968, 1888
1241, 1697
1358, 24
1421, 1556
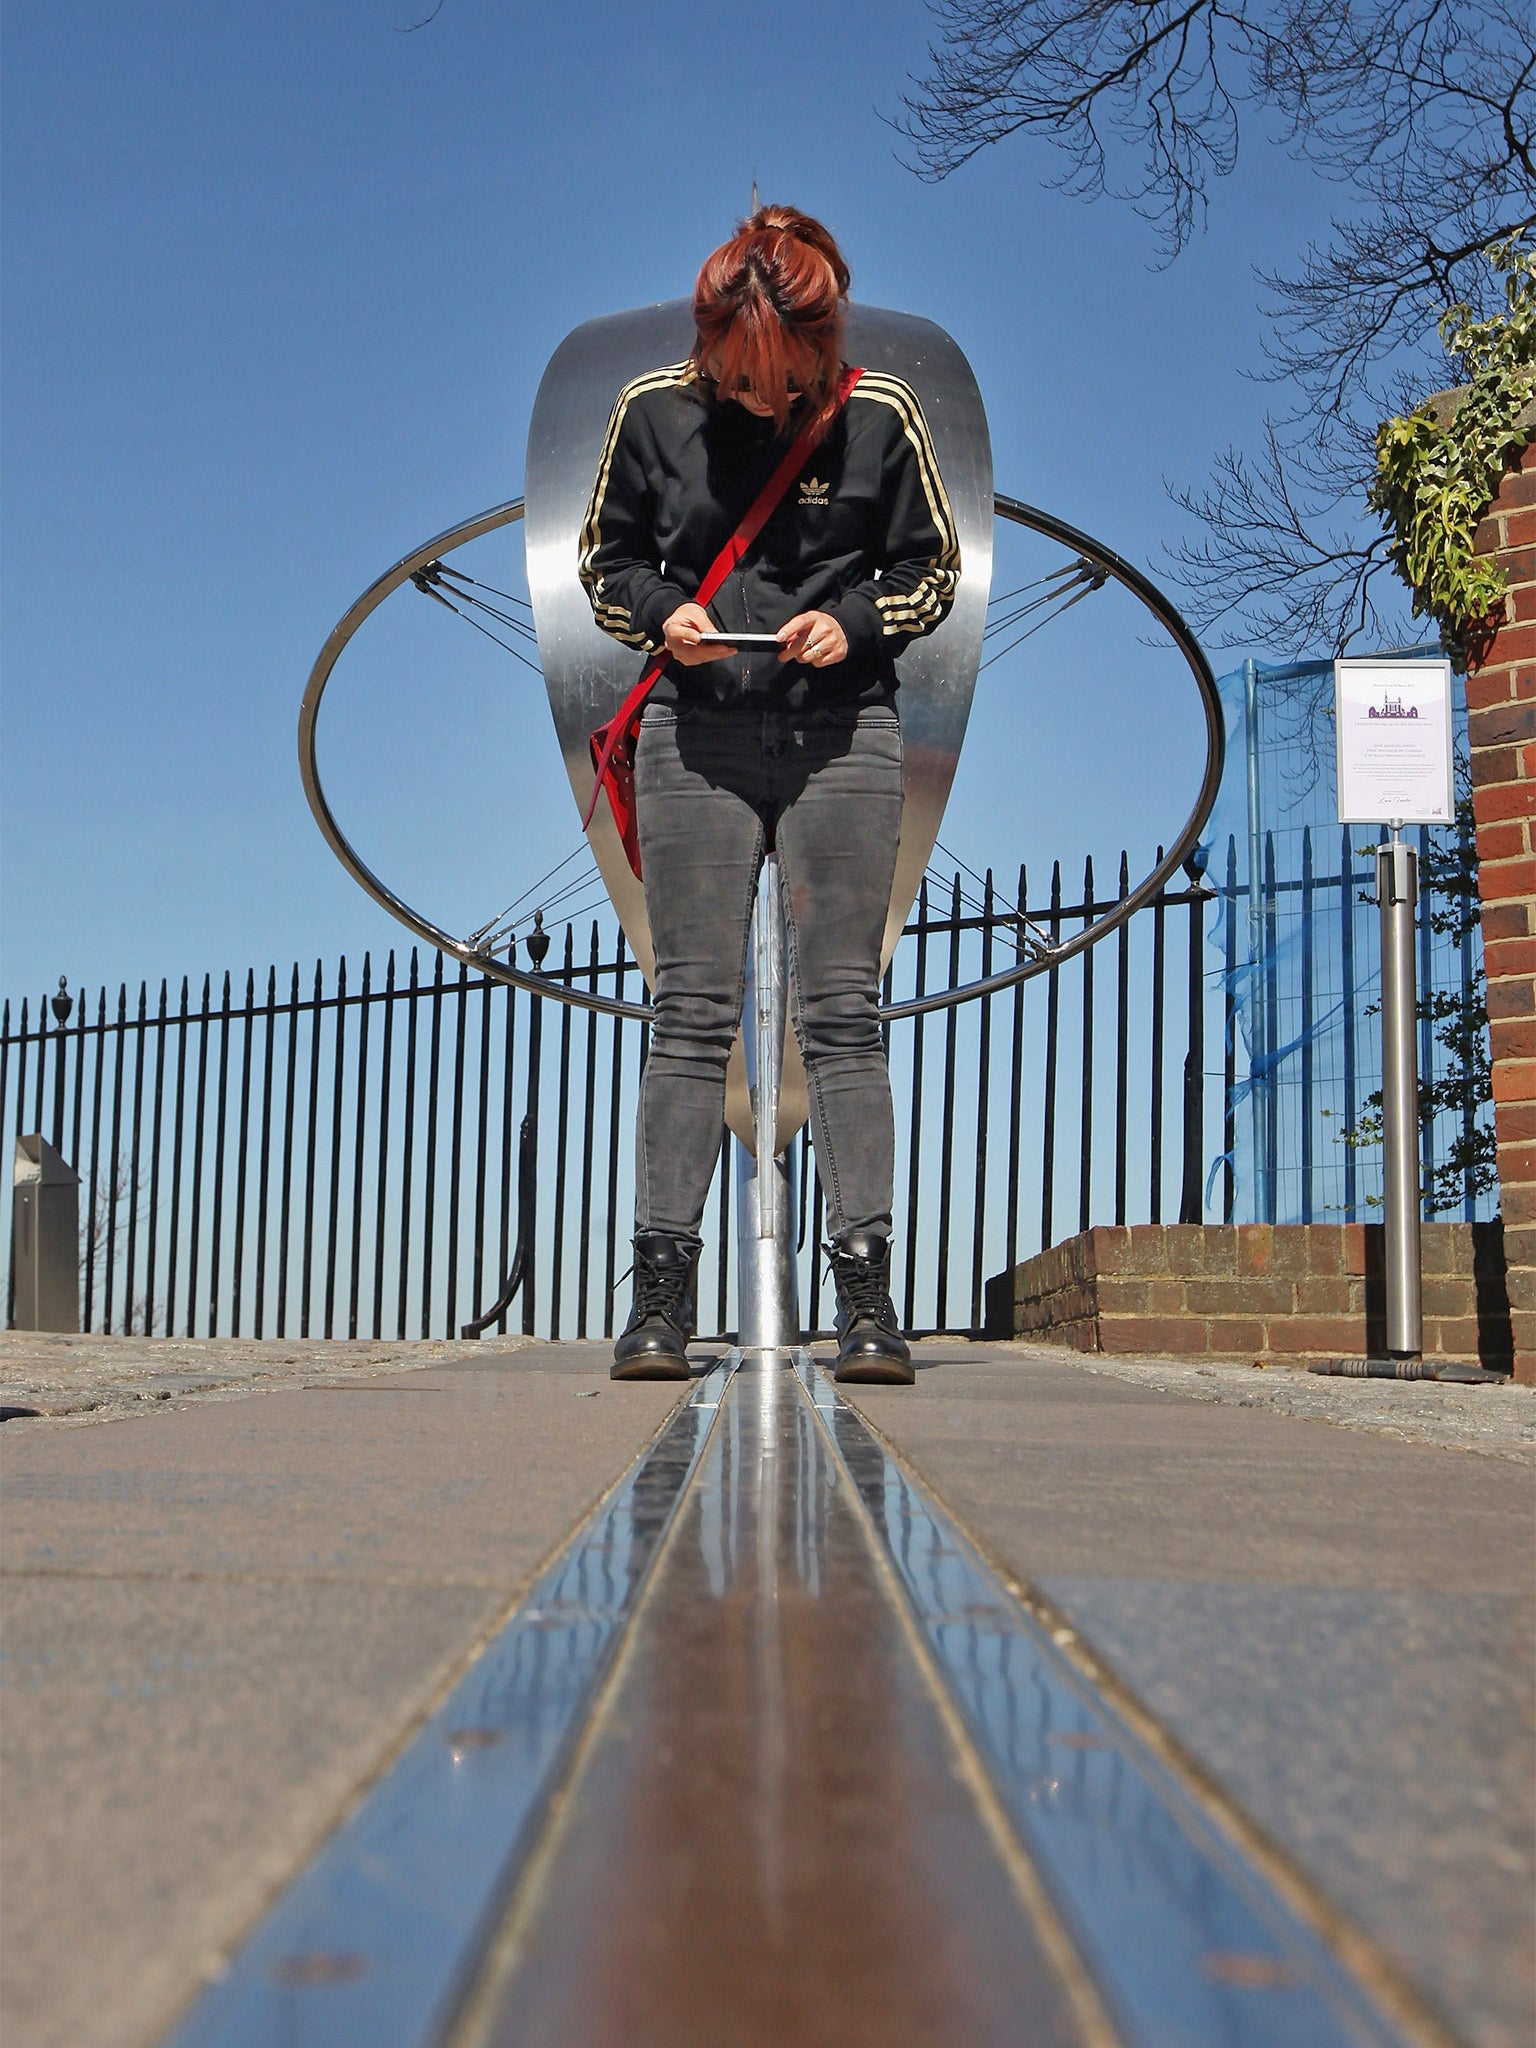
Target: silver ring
1034, 962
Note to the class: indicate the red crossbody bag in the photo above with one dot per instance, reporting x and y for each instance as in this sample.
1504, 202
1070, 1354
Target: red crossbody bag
613, 744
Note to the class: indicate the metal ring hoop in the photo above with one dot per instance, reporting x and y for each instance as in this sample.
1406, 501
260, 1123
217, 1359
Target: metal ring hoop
611, 1006
1215, 755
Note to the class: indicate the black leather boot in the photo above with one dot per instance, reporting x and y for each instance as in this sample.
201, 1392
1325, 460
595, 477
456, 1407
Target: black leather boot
654, 1345
871, 1347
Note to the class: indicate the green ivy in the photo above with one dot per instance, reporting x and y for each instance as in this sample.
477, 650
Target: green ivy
1435, 479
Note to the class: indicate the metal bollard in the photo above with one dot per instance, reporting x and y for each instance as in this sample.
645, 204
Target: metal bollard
45, 1238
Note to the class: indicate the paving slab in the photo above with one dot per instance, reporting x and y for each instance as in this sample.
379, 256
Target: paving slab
222, 1617
1334, 1622
1496, 1419
48, 1376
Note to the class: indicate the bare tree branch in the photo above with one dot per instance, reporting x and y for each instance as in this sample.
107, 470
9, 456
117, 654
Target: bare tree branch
1270, 556
1423, 112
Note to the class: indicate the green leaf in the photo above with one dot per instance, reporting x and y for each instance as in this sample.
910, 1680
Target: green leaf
1433, 483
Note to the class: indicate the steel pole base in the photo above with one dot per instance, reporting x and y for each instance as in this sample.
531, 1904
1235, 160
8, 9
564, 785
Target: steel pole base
769, 1313
769, 1318
1408, 1369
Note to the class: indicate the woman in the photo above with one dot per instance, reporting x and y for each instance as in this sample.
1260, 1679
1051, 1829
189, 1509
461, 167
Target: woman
796, 747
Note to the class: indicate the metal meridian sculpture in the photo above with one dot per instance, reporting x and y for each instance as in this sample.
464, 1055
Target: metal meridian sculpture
587, 675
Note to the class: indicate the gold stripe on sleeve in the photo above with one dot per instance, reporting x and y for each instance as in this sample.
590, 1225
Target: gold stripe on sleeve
671, 374
924, 605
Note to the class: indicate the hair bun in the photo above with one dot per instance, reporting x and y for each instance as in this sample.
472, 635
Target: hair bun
789, 220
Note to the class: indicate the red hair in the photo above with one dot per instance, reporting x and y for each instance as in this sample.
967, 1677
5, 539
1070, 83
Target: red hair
769, 308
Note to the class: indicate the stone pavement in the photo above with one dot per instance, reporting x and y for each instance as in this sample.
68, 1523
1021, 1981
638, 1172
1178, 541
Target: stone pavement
237, 1575
1334, 1625
47, 1376
101, 1379
221, 1617
1499, 1421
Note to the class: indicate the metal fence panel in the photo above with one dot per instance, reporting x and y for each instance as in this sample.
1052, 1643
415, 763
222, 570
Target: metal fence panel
309, 1156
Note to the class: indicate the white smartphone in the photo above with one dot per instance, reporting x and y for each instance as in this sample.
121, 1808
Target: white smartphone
738, 639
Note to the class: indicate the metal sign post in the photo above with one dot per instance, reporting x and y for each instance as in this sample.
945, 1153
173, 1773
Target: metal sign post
1397, 888
1392, 722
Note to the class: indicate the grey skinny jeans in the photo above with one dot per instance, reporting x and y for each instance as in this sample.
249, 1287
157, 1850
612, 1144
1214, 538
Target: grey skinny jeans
714, 789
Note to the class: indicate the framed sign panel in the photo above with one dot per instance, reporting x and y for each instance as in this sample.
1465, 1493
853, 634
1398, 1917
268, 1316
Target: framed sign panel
1392, 728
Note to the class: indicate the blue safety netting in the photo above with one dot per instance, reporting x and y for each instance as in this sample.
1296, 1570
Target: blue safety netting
1294, 929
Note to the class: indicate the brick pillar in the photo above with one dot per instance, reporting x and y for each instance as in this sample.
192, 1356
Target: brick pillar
1501, 696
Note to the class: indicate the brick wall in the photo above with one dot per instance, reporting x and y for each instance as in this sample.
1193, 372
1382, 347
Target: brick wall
1501, 697
1254, 1290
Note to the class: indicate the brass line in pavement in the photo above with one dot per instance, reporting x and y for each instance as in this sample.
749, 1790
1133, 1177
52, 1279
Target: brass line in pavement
1095, 2027
373, 1944
771, 1840
824, 1778
1186, 1941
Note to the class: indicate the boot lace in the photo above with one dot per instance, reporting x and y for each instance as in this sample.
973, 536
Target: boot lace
862, 1287
660, 1291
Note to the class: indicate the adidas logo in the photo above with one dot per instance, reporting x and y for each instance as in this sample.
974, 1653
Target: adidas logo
813, 491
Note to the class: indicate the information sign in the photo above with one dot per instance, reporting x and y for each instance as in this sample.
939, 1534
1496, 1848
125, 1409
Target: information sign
1392, 726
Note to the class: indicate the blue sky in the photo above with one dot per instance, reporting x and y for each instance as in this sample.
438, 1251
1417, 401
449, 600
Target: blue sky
279, 286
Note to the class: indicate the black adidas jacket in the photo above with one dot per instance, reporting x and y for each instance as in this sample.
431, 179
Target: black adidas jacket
865, 534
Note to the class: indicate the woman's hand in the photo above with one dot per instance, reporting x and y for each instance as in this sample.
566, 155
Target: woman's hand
814, 638
681, 633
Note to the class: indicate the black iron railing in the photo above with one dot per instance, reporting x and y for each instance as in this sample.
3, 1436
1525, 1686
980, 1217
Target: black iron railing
341, 1156
364, 1155
1300, 982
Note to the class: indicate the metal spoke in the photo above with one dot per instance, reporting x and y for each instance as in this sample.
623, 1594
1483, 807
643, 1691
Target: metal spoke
424, 584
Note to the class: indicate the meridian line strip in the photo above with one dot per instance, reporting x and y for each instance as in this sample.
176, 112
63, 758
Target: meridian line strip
1187, 1942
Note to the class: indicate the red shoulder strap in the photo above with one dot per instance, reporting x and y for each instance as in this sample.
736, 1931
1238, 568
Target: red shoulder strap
765, 503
